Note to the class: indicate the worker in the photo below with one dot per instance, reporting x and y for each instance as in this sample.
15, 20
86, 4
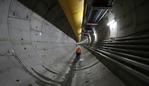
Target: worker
78, 53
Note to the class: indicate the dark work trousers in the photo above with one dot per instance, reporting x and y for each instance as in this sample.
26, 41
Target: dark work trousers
77, 58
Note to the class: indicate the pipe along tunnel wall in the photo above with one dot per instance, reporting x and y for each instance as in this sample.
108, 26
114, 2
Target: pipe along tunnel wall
125, 51
33, 52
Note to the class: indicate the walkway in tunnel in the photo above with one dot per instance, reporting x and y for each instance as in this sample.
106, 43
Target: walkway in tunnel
91, 72
34, 52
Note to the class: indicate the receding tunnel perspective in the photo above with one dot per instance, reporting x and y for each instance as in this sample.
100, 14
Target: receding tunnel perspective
74, 43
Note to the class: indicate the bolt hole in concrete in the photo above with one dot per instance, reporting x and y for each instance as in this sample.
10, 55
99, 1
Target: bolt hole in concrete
88, 73
36, 27
27, 16
24, 48
17, 80
14, 13
87, 81
21, 38
30, 85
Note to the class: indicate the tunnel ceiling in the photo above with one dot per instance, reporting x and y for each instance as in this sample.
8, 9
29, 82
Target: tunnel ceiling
73, 9
52, 12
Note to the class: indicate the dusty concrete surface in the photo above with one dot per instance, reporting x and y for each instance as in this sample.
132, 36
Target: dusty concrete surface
91, 72
33, 52
127, 20
30, 47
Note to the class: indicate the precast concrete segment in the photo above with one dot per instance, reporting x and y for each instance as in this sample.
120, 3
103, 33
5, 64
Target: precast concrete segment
27, 43
33, 52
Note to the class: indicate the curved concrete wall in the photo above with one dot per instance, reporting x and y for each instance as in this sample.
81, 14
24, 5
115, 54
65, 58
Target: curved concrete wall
31, 49
130, 41
131, 17
33, 52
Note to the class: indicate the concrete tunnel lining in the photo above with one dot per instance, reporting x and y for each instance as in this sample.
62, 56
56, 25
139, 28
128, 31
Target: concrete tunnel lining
36, 43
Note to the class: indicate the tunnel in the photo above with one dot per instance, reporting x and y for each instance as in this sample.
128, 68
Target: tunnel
38, 40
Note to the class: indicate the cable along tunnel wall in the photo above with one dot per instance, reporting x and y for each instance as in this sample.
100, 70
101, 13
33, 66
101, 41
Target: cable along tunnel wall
126, 54
33, 52
30, 43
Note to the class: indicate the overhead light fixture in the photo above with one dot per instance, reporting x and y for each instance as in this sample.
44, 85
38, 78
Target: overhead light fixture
95, 35
113, 28
112, 24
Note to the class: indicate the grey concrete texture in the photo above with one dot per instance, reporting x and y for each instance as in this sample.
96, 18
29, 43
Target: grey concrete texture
96, 75
33, 52
52, 12
30, 47
131, 16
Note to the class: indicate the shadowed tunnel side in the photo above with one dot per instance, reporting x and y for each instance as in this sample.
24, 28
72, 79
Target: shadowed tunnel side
36, 48
120, 41
33, 52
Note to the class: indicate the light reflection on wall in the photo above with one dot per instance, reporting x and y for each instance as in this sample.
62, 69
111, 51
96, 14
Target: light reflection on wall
95, 35
113, 28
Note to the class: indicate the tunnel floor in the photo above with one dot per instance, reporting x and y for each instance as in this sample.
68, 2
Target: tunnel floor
34, 52
91, 72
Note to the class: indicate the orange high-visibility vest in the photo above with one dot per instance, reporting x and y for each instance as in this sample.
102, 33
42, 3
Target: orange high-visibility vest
78, 50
